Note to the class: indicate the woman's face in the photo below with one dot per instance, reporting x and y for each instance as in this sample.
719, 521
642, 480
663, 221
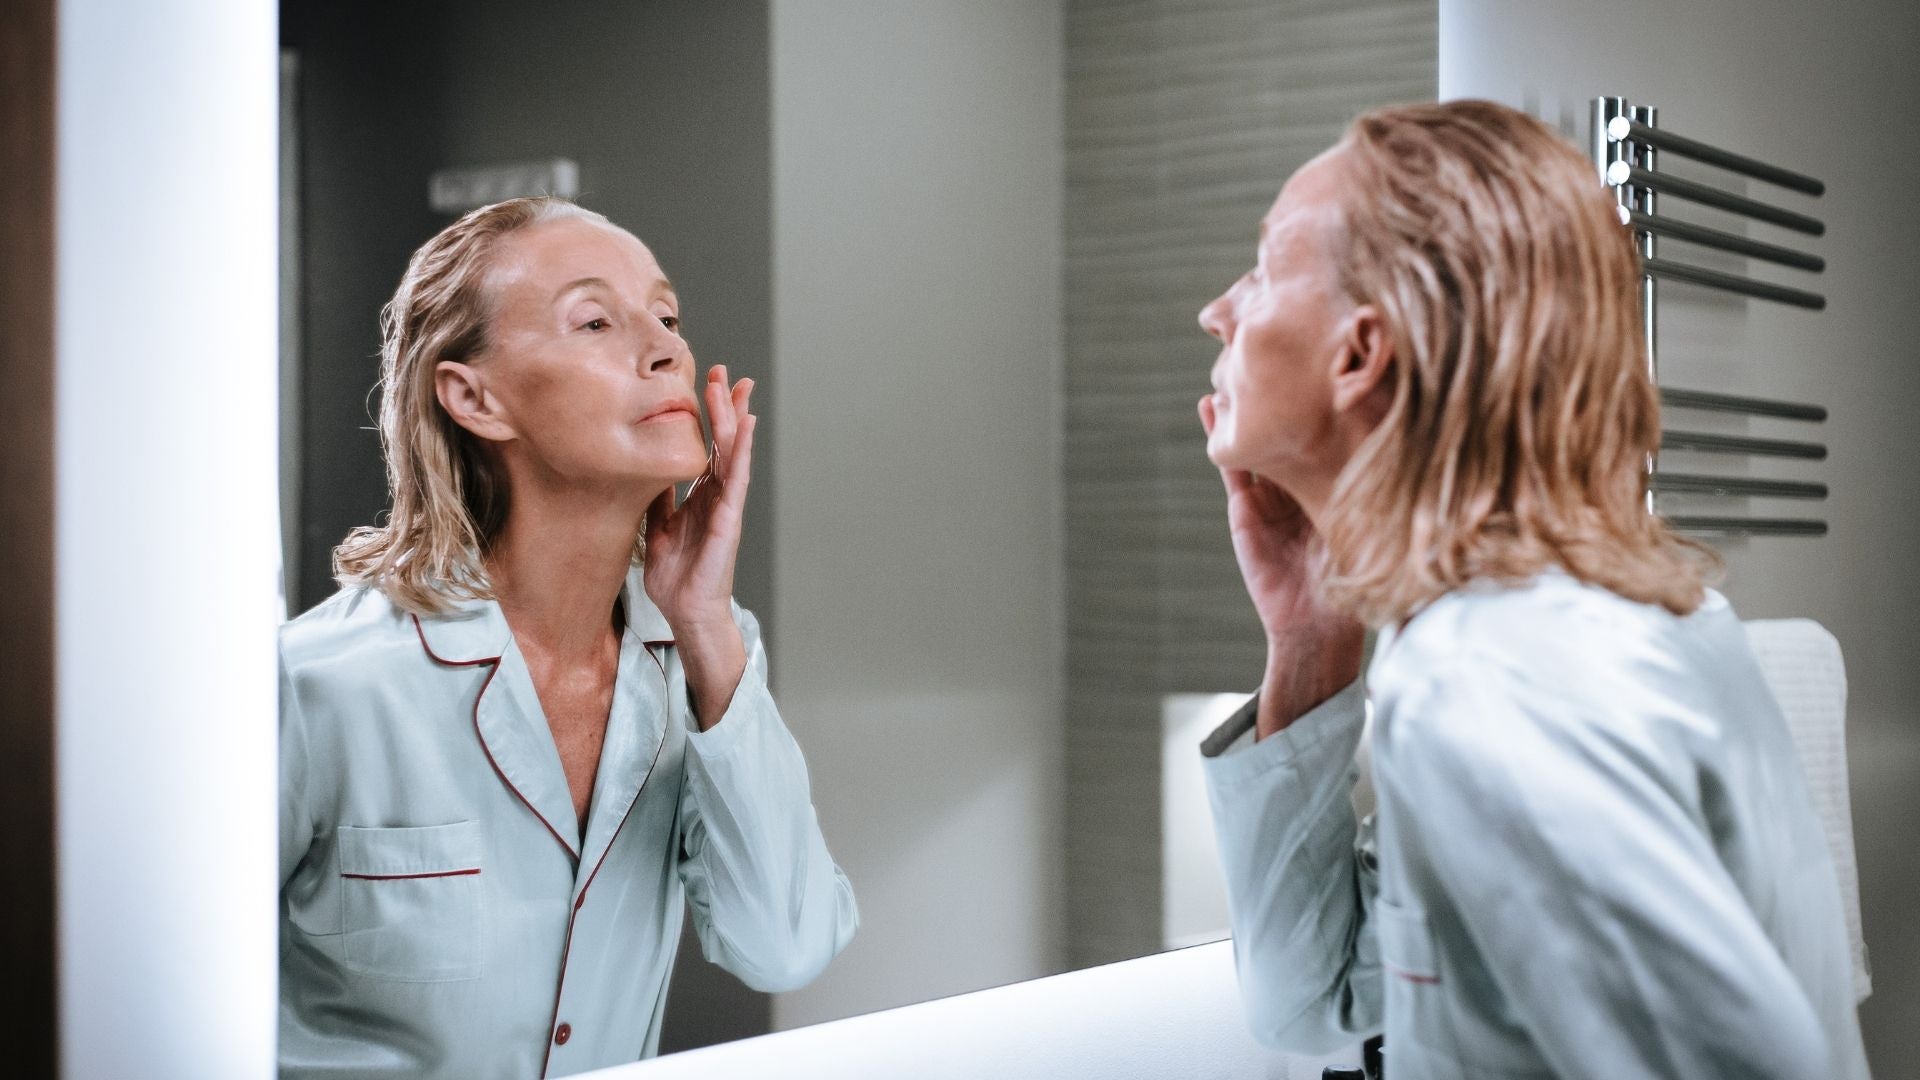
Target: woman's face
585, 364
1282, 330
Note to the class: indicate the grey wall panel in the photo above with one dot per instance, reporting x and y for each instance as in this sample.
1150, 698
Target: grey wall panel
917, 171
368, 112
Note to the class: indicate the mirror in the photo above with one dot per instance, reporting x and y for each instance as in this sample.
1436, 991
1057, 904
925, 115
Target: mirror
961, 248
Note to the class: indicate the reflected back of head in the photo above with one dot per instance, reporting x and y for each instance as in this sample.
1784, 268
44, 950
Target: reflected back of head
1522, 413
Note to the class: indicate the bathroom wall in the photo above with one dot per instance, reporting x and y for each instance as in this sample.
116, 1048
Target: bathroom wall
1826, 89
916, 300
368, 103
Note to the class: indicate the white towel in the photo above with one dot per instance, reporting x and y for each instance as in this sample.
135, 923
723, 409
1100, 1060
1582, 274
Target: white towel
1803, 668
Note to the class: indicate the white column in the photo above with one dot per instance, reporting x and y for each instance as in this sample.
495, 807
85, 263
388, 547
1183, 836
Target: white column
166, 537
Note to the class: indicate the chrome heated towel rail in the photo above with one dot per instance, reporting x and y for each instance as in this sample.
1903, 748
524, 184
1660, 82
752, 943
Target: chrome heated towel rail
1627, 147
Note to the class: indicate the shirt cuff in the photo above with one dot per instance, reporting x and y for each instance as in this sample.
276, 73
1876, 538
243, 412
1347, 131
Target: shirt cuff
1232, 756
745, 714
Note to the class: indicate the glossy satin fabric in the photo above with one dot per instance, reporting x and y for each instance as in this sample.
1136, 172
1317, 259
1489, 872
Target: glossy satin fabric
1595, 854
442, 914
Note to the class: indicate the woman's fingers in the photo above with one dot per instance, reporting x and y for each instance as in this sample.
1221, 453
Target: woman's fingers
727, 406
740, 467
721, 415
740, 458
742, 397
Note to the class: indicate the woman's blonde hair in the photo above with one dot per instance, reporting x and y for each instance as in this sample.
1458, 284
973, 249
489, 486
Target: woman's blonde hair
449, 497
1522, 413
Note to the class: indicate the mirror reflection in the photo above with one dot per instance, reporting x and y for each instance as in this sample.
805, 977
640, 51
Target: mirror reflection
931, 275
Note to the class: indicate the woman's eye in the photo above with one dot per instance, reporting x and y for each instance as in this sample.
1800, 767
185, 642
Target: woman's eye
597, 325
671, 322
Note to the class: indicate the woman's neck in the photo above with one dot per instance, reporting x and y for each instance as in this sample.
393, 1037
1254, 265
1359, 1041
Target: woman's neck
557, 566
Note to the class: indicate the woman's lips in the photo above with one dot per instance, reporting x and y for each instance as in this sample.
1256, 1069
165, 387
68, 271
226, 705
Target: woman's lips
667, 410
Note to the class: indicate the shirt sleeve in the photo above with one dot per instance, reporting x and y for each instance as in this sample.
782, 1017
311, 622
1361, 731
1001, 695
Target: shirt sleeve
296, 824
1299, 882
1576, 854
768, 902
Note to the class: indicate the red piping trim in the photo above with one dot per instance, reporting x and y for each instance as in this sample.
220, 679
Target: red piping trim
559, 991
409, 877
420, 630
484, 748
487, 750
553, 1021
1423, 980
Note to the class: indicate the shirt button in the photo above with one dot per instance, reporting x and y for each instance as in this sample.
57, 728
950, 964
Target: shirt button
561, 1034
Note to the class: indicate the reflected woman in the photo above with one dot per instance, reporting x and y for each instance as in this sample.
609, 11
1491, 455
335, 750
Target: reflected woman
533, 720
1596, 854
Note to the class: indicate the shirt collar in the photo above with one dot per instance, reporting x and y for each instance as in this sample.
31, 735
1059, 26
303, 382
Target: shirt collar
644, 620
472, 631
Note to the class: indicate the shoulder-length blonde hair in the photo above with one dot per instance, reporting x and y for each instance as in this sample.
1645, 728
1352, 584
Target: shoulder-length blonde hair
1522, 414
449, 498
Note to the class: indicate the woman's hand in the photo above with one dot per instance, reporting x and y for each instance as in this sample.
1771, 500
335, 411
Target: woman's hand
691, 550
1312, 650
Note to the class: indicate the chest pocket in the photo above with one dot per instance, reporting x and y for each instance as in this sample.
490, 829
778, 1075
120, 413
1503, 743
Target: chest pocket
411, 901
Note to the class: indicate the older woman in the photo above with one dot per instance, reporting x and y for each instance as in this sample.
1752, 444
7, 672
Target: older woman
532, 721
1596, 855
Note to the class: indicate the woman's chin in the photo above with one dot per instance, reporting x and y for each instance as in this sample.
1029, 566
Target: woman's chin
685, 467
681, 461
654, 472
1223, 453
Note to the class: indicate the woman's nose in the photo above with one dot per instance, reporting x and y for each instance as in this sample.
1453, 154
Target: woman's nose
1214, 318
664, 350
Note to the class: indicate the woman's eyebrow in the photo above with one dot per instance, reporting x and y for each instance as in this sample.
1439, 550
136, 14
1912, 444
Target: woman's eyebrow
583, 283
661, 287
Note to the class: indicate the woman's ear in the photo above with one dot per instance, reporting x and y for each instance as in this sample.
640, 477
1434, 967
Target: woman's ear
1366, 358
464, 395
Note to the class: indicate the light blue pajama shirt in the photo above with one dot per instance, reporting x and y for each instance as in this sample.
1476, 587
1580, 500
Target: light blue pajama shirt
442, 914
1595, 855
